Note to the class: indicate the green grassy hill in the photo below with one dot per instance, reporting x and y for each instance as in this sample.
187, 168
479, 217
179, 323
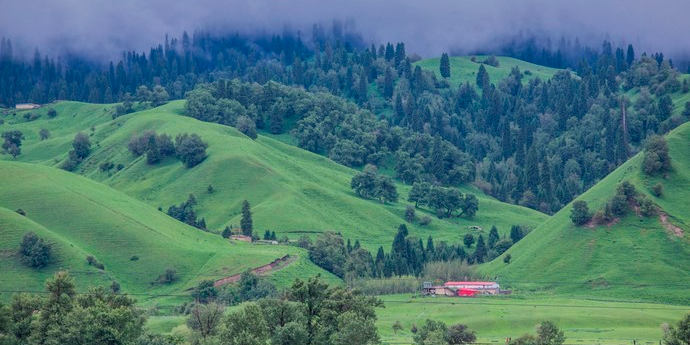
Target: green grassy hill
292, 191
134, 241
463, 69
635, 258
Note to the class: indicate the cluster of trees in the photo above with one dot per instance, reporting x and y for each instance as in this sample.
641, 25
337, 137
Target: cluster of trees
437, 332
81, 148
12, 142
35, 251
445, 201
408, 254
656, 158
190, 149
309, 312
63, 316
370, 184
625, 199
154, 146
184, 212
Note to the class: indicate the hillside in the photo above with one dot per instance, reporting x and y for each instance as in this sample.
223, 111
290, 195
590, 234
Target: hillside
463, 69
134, 241
292, 192
635, 258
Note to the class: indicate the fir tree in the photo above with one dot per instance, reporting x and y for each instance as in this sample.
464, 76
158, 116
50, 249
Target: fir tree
445, 66
246, 223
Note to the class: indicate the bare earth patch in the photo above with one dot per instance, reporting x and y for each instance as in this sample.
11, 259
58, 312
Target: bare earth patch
261, 270
663, 217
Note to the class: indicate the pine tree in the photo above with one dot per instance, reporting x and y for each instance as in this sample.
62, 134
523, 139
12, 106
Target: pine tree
445, 66
483, 80
480, 252
246, 223
493, 237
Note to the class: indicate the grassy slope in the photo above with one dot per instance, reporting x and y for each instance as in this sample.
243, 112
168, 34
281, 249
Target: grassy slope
635, 258
82, 217
291, 191
462, 69
495, 319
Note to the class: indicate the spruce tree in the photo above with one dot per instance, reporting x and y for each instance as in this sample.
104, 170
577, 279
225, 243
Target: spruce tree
246, 223
445, 66
493, 237
480, 252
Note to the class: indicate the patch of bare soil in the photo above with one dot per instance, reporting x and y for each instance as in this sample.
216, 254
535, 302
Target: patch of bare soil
261, 270
663, 217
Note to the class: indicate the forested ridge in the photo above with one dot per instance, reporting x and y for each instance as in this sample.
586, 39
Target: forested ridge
538, 143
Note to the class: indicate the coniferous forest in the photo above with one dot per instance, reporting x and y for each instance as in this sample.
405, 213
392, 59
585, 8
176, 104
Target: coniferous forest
538, 143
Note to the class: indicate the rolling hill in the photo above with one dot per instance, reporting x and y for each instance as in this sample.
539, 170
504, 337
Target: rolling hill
134, 241
634, 258
292, 191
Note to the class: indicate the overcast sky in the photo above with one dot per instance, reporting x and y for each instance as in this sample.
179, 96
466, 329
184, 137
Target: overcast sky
427, 27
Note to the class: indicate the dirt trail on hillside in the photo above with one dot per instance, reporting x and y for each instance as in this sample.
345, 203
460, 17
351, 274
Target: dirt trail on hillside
663, 217
261, 270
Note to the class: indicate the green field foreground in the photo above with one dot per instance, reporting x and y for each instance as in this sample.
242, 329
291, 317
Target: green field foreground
496, 318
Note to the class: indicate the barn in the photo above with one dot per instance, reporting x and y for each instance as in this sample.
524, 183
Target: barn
472, 288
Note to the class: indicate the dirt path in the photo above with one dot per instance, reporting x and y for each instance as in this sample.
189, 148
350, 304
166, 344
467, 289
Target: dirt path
663, 217
261, 270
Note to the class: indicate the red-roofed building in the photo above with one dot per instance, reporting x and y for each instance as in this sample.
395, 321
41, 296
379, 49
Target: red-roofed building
473, 288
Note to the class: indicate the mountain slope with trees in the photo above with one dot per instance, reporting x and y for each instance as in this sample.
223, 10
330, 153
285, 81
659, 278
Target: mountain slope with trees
631, 256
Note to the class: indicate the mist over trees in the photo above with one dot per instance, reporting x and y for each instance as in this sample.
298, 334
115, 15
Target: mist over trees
538, 143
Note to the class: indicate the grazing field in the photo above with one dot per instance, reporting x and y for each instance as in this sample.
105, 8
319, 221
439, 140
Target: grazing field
496, 318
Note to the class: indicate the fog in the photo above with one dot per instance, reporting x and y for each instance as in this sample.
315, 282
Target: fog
103, 28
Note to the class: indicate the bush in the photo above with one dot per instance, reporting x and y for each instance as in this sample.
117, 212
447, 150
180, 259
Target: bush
52, 113
169, 277
656, 158
426, 220
34, 251
658, 190
106, 166
409, 213
507, 258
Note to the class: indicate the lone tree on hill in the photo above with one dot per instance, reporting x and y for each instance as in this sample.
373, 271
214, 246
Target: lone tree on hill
656, 158
81, 146
580, 213
445, 66
13, 142
35, 251
246, 223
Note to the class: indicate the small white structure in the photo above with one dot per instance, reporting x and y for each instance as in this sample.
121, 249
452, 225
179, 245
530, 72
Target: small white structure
27, 106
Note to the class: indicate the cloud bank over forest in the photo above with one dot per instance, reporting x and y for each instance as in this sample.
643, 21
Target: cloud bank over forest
104, 28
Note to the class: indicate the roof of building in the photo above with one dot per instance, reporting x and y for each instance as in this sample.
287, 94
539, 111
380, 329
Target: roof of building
470, 283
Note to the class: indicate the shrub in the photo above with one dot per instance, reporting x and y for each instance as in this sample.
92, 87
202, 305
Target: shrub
656, 158
169, 277
658, 190
134, 258
409, 213
426, 220
44, 134
52, 113
21, 211
34, 251
106, 166
507, 258
115, 287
